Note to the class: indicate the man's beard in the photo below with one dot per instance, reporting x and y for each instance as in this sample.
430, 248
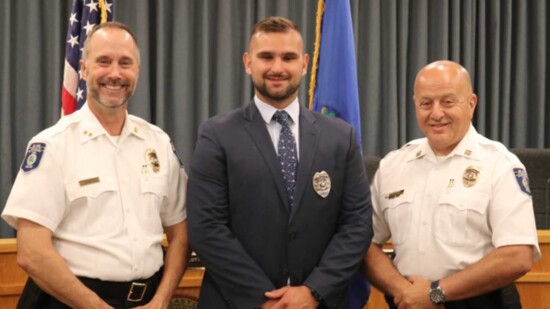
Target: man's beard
96, 95
264, 91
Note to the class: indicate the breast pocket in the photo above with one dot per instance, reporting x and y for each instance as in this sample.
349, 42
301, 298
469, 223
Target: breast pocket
460, 218
94, 206
398, 212
154, 191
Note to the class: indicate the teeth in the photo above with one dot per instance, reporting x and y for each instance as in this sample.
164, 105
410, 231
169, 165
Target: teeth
113, 87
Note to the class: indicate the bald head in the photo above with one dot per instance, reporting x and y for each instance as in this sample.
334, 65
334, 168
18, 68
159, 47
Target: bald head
444, 71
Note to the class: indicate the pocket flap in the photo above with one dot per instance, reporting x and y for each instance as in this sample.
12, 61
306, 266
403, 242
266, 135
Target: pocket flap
90, 187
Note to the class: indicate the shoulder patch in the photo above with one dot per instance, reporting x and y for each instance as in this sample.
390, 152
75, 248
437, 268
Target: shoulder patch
33, 157
176, 153
522, 179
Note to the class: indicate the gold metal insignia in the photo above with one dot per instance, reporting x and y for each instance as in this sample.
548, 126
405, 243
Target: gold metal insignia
152, 159
88, 181
418, 153
395, 194
321, 183
470, 176
468, 152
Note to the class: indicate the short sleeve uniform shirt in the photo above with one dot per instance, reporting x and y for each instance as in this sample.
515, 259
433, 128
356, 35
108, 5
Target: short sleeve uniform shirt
444, 214
105, 199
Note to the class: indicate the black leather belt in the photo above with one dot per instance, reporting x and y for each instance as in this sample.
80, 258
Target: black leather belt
136, 291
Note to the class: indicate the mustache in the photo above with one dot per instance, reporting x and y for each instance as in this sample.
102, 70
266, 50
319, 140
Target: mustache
277, 76
114, 82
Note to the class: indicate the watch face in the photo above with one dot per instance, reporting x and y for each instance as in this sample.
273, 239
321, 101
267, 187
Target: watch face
437, 296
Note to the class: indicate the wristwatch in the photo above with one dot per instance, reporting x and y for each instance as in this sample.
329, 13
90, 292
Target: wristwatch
437, 295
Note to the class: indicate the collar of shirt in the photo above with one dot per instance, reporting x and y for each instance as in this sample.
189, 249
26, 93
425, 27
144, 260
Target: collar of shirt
273, 127
267, 111
468, 147
92, 128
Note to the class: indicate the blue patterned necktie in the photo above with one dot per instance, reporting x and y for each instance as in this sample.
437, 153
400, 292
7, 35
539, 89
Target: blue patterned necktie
287, 154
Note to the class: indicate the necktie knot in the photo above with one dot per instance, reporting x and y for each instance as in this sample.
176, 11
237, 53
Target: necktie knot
282, 118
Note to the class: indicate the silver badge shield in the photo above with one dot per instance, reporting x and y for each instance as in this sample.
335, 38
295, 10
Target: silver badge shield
321, 183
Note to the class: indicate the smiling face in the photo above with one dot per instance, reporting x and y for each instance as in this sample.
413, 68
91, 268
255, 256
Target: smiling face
444, 103
110, 66
276, 63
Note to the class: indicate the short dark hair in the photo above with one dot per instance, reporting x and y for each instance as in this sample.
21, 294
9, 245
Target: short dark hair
112, 25
274, 24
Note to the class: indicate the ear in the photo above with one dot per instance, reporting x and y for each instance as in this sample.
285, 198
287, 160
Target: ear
83, 69
306, 61
247, 63
473, 104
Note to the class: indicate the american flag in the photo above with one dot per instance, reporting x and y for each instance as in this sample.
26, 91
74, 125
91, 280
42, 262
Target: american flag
84, 16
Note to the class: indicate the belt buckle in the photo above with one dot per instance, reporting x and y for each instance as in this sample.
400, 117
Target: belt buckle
137, 286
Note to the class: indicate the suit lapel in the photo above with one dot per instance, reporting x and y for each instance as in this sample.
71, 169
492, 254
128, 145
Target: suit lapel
255, 126
309, 139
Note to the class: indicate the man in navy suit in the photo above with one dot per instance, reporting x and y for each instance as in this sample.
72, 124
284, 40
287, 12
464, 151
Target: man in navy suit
279, 211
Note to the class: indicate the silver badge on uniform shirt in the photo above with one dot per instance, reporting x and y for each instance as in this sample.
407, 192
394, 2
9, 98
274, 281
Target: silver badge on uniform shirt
152, 159
321, 183
470, 176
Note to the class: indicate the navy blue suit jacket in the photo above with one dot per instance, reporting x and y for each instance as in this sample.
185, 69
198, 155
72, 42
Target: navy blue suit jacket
239, 220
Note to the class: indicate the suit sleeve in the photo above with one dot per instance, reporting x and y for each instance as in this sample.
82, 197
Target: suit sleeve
240, 280
345, 251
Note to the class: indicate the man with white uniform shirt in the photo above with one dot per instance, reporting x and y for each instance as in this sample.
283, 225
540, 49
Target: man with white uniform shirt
456, 205
96, 192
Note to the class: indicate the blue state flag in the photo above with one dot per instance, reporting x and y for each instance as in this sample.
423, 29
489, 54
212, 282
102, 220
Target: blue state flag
334, 90
333, 87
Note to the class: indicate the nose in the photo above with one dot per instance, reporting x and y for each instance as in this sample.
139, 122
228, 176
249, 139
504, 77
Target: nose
437, 111
277, 65
114, 72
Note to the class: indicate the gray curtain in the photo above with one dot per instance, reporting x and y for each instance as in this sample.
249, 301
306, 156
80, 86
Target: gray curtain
192, 69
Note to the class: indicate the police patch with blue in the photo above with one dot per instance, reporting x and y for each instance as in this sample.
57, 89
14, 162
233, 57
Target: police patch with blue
522, 179
33, 157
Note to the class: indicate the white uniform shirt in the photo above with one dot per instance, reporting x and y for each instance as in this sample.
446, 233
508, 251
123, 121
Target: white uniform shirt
444, 214
105, 202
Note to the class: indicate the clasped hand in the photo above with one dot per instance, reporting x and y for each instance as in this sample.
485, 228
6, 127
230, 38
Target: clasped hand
416, 295
290, 297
